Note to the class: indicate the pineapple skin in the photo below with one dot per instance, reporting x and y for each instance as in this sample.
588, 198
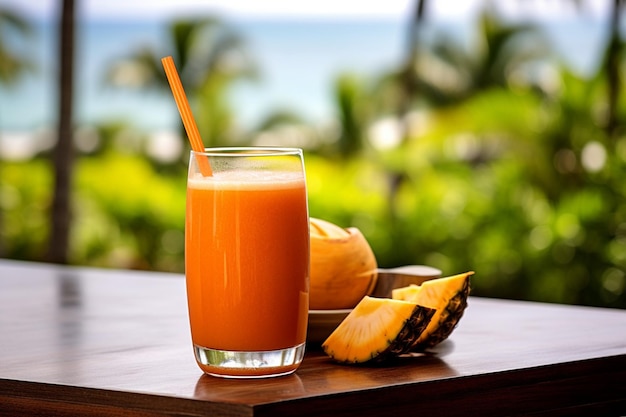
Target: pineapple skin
449, 319
413, 328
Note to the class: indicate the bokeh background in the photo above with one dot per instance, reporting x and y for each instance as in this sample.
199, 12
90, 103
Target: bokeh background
485, 136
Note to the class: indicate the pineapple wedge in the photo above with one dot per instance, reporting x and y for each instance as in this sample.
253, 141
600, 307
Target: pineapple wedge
377, 329
448, 296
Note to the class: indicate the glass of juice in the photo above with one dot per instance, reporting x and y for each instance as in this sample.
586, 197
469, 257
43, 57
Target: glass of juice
247, 260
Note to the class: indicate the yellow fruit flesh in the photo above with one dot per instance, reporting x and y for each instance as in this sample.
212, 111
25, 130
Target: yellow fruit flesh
405, 293
375, 329
323, 229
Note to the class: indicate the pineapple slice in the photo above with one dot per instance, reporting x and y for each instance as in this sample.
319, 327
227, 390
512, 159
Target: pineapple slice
376, 329
448, 296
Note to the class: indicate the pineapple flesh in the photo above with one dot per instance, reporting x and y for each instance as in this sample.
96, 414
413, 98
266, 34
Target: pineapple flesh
377, 329
448, 296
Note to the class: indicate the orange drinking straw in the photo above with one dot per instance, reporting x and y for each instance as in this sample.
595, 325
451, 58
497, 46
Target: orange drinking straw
185, 113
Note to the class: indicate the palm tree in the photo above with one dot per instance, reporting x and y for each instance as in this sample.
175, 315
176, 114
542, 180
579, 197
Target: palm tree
446, 72
209, 56
12, 64
612, 67
353, 114
63, 156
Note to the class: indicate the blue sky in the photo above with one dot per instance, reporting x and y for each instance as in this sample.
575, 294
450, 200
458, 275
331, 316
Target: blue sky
395, 9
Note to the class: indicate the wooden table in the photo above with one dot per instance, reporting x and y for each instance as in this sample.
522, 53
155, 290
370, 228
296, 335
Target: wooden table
77, 341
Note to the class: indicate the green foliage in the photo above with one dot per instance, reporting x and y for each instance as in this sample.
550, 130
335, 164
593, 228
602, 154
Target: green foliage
127, 213
522, 183
483, 189
24, 199
472, 193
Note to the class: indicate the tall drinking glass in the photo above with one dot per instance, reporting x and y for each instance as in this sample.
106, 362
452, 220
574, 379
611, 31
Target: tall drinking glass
247, 261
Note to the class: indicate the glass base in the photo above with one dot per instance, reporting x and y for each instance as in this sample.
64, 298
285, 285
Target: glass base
240, 364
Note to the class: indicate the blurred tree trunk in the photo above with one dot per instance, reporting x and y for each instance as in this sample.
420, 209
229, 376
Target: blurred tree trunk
63, 155
408, 92
408, 77
612, 68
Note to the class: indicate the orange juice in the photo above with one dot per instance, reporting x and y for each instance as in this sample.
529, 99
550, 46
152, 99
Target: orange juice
247, 260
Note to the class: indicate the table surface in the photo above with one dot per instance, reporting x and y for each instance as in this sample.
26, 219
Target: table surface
81, 341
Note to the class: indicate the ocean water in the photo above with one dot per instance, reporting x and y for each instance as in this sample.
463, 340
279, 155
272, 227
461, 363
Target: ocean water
298, 61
